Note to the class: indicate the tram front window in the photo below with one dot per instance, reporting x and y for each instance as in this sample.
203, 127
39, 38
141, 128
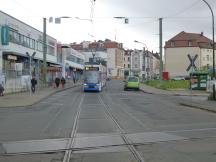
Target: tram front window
91, 77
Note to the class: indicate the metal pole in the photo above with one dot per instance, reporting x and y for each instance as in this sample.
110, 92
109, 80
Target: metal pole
161, 49
44, 51
213, 48
131, 63
30, 73
144, 64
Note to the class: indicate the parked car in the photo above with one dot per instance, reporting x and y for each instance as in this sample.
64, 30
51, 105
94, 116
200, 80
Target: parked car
132, 82
178, 78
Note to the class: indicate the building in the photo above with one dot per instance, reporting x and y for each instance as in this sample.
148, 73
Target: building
136, 62
109, 52
144, 64
72, 62
127, 62
184, 45
155, 65
18, 38
115, 60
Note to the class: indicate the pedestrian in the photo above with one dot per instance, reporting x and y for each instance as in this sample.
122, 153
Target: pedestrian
63, 82
1, 90
57, 81
33, 84
74, 78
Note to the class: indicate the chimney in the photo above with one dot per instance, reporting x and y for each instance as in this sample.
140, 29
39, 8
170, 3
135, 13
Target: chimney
201, 34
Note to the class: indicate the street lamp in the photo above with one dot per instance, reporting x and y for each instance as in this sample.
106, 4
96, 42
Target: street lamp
30, 68
141, 43
213, 52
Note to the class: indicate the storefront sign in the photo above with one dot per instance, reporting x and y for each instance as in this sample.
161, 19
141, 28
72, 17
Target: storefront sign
11, 57
5, 35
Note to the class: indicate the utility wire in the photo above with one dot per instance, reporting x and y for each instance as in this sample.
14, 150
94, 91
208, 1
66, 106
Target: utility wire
183, 10
36, 14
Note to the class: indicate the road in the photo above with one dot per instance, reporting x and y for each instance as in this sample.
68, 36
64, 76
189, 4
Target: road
113, 125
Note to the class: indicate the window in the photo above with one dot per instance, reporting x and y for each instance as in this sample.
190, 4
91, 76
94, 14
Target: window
128, 58
39, 46
128, 65
172, 44
189, 43
136, 66
207, 57
51, 50
124, 65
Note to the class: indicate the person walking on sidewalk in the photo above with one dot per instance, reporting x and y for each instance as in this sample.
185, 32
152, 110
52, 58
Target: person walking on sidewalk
63, 82
1, 90
74, 77
33, 84
57, 81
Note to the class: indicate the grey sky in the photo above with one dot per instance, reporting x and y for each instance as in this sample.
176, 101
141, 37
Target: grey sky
179, 15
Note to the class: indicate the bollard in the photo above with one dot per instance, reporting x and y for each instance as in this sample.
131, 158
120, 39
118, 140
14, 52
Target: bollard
214, 92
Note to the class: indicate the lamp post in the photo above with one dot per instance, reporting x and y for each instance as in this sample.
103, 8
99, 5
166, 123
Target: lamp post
30, 68
213, 48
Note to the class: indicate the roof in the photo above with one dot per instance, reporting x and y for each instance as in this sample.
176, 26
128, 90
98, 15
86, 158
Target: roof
182, 39
190, 36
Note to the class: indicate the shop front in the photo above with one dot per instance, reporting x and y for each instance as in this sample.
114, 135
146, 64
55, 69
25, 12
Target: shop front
53, 71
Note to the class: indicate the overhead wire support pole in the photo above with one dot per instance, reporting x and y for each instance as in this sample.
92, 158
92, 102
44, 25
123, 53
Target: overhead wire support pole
44, 52
161, 49
213, 43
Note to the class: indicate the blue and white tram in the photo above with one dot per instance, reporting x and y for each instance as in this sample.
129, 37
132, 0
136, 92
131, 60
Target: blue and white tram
95, 76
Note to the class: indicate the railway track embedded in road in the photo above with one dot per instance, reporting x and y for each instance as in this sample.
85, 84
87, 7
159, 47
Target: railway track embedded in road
130, 146
68, 152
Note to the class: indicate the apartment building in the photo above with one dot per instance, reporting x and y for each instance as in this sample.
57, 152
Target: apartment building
184, 44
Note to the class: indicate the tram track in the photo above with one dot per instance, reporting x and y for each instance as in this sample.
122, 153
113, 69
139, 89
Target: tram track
68, 152
130, 146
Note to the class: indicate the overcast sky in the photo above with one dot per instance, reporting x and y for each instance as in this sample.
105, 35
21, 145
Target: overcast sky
178, 15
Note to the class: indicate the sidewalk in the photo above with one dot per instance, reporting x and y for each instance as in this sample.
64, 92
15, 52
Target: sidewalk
24, 99
188, 98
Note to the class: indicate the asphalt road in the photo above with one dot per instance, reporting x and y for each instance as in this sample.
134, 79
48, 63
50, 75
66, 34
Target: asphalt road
111, 126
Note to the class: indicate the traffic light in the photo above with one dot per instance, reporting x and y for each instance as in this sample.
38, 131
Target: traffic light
126, 20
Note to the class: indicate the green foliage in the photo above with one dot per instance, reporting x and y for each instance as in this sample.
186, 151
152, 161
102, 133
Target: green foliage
169, 84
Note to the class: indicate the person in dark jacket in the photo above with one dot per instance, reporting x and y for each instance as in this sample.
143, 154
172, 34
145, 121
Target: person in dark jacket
63, 82
57, 82
33, 84
1, 90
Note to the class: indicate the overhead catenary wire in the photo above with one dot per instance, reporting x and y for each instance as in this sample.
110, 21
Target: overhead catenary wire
183, 10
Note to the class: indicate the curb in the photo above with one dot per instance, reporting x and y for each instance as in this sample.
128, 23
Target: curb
201, 107
43, 98
174, 94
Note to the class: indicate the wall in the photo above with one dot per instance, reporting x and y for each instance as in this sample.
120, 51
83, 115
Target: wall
111, 62
176, 60
204, 60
